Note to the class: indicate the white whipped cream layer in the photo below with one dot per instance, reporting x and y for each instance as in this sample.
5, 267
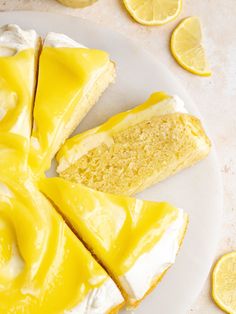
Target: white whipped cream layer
140, 278
178, 105
13, 39
100, 300
57, 40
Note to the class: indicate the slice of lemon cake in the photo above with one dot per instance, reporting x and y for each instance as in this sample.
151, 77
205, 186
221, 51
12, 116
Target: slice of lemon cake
136, 241
44, 268
71, 79
135, 149
18, 68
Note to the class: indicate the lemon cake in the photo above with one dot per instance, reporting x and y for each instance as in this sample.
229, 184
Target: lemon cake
135, 149
18, 63
136, 241
44, 268
71, 79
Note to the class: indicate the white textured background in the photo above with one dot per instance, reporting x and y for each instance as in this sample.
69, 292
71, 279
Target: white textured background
215, 96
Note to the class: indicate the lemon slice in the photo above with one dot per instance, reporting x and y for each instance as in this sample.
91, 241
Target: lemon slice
77, 3
153, 12
187, 48
224, 283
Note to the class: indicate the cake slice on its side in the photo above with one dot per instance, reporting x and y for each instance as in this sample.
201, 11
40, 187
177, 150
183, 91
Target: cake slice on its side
71, 79
135, 149
44, 267
136, 241
19, 51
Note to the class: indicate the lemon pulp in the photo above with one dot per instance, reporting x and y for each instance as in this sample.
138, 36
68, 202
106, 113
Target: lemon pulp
187, 47
153, 12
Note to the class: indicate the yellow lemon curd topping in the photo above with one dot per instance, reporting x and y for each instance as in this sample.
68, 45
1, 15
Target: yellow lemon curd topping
17, 92
44, 268
13, 156
117, 229
65, 74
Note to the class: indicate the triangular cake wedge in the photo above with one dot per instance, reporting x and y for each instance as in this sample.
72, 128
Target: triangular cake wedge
135, 149
136, 241
44, 267
71, 79
19, 51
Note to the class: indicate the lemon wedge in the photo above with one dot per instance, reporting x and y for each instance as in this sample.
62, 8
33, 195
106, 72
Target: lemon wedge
187, 48
224, 283
153, 12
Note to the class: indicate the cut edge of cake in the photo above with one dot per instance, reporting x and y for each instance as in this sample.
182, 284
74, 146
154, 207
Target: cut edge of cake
157, 114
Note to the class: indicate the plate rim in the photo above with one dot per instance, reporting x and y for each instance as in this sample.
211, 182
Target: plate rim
134, 42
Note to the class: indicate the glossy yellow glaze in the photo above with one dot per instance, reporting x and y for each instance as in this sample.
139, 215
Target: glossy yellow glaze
44, 268
117, 229
75, 147
64, 76
17, 81
13, 156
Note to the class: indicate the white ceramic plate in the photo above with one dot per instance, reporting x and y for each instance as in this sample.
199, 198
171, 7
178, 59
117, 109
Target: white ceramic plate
198, 190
